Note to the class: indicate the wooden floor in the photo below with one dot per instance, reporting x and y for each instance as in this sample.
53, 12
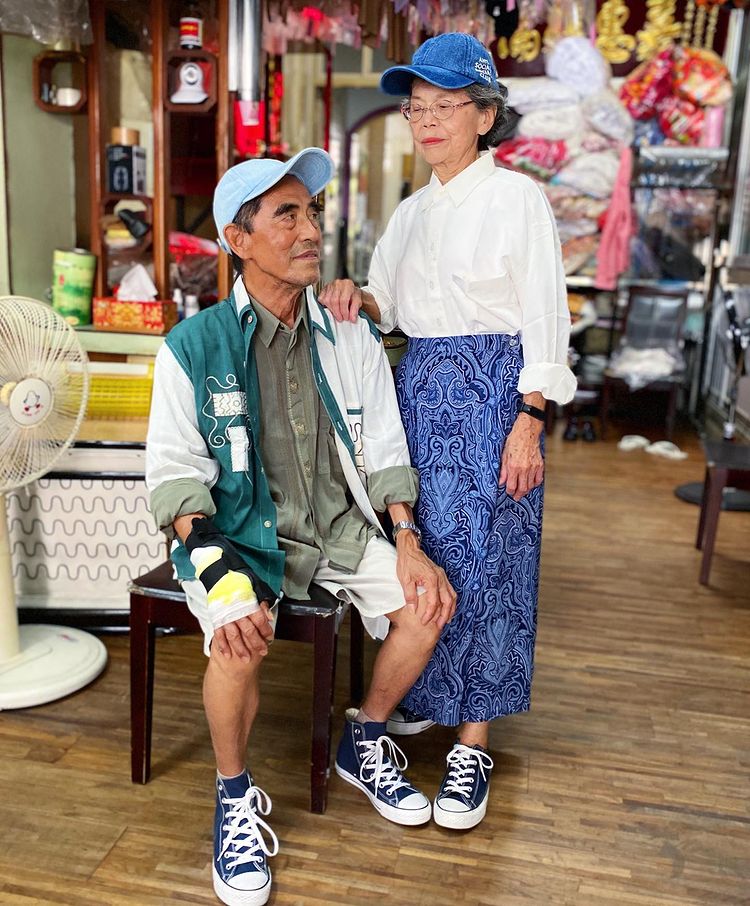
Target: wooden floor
626, 784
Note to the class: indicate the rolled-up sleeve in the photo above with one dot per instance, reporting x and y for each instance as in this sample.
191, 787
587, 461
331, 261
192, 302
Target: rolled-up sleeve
179, 469
395, 484
539, 280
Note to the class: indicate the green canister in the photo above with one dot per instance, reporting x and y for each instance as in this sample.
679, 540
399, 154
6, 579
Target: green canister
73, 284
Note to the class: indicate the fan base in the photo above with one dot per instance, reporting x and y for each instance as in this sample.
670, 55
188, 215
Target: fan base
53, 662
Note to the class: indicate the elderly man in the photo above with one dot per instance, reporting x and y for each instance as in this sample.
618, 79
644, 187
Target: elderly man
273, 441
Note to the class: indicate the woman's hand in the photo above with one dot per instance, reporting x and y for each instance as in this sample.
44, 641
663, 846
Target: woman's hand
522, 466
343, 299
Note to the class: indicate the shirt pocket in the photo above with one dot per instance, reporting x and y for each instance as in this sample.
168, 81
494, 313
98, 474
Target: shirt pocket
490, 302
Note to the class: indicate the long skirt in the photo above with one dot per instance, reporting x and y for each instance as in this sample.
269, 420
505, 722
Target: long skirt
458, 401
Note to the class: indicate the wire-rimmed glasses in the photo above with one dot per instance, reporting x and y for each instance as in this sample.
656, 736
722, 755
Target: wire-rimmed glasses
441, 110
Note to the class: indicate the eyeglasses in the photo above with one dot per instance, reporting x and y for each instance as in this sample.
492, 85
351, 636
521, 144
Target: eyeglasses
441, 110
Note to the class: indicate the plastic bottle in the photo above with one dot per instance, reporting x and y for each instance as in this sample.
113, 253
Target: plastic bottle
191, 305
178, 300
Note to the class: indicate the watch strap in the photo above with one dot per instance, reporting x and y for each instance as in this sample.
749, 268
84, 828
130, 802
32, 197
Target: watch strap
533, 411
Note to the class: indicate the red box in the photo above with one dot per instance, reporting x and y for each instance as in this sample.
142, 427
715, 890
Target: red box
156, 317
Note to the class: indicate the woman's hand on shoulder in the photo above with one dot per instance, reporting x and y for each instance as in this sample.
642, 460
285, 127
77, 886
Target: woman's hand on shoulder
343, 298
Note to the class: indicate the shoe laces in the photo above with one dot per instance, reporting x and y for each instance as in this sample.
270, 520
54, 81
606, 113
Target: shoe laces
244, 841
463, 762
382, 764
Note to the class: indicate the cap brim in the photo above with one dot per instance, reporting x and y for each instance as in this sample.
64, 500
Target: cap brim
397, 80
313, 167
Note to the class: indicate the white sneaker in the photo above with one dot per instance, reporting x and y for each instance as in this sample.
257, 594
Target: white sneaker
461, 802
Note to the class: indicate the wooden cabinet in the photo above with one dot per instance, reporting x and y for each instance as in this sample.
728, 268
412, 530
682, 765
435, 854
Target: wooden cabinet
166, 118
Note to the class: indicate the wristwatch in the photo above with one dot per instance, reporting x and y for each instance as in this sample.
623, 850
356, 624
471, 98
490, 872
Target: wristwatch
533, 411
405, 524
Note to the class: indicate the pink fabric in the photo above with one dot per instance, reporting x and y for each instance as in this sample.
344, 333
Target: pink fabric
613, 257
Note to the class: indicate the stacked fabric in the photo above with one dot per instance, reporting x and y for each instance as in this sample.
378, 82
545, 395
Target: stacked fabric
570, 136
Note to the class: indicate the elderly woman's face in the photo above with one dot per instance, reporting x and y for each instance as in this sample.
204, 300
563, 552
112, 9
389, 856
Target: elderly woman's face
447, 142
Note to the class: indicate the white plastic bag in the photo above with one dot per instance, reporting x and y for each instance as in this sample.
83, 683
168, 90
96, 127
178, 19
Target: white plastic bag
578, 64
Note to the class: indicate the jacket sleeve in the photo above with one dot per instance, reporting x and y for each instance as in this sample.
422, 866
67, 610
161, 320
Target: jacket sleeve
179, 468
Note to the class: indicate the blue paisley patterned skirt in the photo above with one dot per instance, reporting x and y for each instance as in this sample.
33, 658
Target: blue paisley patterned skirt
458, 401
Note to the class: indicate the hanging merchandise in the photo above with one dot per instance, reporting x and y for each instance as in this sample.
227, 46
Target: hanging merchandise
700, 76
647, 86
612, 42
244, 59
578, 64
660, 31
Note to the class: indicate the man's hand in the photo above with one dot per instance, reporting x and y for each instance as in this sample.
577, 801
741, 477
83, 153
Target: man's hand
247, 637
343, 299
522, 466
415, 570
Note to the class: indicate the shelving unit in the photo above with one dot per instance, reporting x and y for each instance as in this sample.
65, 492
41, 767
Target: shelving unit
165, 62
43, 69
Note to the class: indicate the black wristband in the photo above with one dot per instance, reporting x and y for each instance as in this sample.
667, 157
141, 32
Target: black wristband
533, 411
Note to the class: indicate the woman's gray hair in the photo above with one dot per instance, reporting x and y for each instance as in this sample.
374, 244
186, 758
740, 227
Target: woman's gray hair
487, 97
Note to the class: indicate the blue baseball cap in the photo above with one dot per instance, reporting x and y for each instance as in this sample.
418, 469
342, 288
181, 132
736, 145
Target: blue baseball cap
453, 60
313, 167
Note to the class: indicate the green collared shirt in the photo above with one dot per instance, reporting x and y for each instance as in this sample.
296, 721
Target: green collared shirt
315, 511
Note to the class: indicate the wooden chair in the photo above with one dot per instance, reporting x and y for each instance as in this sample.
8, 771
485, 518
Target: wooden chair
158, 602
653, 319
727, 465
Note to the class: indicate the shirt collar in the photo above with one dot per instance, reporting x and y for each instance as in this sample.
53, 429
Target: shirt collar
268, 324
461, 186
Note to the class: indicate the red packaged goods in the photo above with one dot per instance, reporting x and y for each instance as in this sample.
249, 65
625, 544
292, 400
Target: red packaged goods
681, 120
701, 77
539, 156
648, 85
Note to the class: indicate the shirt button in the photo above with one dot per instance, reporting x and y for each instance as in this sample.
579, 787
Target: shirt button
293, 386
432, 284
308, 469
268, 523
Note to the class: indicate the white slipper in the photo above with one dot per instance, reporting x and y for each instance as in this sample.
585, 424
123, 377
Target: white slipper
667, 449
633, 442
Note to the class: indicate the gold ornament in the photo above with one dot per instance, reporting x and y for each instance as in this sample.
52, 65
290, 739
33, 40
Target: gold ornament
612, 42
502, 50
687, 23
525, 44
660, 29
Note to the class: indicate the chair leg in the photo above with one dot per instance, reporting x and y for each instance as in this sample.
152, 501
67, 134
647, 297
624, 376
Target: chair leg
671, 411
356, 656
704, 504
604, 408
141, 688
717, 481
324, 674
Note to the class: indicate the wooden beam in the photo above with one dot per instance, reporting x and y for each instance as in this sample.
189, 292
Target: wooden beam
224, 131
161, 120
94, 75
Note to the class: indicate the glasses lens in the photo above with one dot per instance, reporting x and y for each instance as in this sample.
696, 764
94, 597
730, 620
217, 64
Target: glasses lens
413, 112
443, 110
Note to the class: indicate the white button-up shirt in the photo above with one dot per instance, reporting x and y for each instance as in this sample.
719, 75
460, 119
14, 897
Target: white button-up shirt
479, 254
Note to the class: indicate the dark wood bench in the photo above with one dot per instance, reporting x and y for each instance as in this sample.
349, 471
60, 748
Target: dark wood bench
158, 602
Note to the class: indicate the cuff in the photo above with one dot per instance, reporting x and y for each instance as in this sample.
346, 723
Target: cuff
395, 484
554, 382
387, 312
179, 498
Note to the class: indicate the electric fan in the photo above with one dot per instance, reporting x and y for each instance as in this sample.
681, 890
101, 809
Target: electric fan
43, 393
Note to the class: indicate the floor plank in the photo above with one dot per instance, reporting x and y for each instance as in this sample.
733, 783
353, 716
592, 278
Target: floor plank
626, 784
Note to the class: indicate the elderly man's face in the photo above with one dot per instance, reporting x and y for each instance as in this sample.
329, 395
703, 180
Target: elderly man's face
285, 240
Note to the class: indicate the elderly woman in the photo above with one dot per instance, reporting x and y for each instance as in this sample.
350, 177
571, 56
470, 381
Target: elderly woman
469, 267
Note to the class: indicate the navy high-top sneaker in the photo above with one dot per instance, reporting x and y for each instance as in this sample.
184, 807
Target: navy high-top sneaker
241, 873
368, 759
461, 801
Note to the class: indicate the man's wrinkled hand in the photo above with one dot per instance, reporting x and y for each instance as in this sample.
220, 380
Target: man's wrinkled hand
247, 637
427, 591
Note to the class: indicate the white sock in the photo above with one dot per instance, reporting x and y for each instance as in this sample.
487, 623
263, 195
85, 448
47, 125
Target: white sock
231, 776
363, 718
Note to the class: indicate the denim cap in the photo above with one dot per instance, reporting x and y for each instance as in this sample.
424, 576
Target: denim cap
313, 167
453, 60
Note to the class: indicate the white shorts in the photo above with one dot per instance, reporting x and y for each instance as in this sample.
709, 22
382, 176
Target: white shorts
373, 589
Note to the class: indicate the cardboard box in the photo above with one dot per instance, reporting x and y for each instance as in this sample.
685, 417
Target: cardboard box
157, 317
126, 169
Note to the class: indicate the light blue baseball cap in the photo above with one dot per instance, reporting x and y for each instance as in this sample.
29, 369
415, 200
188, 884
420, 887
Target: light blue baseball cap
452, 60
313, 167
